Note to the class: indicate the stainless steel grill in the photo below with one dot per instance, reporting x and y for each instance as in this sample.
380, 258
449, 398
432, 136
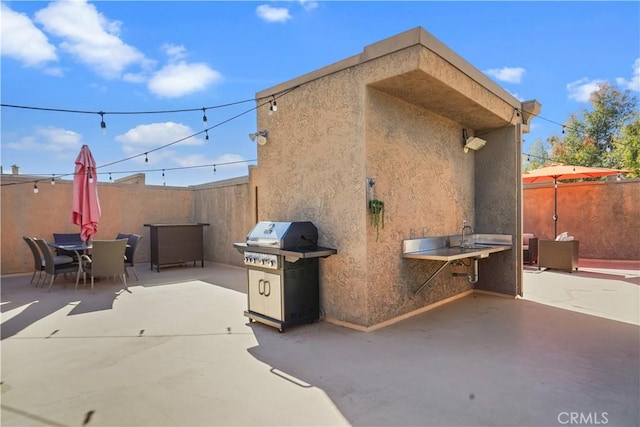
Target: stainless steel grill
282, 272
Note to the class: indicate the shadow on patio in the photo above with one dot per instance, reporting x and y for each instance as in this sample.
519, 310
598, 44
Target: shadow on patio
177, 350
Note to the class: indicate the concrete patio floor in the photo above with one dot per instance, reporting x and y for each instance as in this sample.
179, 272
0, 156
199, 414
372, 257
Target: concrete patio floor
176, 350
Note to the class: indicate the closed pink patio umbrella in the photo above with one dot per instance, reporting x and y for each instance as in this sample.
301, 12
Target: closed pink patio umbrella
86, 206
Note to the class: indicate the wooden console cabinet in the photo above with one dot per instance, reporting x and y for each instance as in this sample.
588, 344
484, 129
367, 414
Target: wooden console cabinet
558, 255
176, 244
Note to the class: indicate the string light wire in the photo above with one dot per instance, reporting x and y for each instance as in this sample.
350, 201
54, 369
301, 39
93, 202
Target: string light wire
270, 99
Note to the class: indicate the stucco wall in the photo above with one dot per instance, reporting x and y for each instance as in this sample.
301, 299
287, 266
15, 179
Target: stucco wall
498, 208
312, 169
426, 183
603, 215
227, 206
126, 207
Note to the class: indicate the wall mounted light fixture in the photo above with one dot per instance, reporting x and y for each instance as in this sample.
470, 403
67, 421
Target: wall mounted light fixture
471, 143
260, 135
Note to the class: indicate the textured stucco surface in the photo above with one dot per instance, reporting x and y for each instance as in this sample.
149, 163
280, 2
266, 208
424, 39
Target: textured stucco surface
603, 215
227, 207
498, 208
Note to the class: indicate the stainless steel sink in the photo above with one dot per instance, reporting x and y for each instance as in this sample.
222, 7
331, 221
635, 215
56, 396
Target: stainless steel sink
448, 248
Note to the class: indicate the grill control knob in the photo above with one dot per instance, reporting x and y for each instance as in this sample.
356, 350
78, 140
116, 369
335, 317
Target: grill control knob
272, 263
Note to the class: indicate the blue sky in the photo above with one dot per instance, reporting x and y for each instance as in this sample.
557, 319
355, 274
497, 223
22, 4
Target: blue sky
120, 56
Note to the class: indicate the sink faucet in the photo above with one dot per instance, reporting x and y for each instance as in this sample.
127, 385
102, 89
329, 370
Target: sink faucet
465, 226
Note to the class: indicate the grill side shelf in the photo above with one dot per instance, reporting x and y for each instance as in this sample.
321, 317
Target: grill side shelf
289, 254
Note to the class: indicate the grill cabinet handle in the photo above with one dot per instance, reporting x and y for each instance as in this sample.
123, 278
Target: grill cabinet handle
267, 293
261, 284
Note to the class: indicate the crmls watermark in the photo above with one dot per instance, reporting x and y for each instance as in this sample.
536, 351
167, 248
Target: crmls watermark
583, 418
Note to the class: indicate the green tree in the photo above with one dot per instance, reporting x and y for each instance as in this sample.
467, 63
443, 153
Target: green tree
591, 138
626, 149
537, 156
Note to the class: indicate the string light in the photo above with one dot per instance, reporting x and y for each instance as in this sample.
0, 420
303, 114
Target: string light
90, 177
163, 182
110, 180
272, 108
204, 115
103, 125
184, 110
206, 133
35, 187
142, 171
53, 181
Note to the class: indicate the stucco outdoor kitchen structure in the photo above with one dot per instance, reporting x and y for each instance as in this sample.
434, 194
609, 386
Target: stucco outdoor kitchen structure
389, 123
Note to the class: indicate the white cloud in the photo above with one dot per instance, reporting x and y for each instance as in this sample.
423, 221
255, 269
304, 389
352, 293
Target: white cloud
507, 74
236, 160
181, 78
273, 14
22, 40
150, 136
50, 139
581, 90
90, 37
308, 4
175, 52
146, 137
516, 96
634, 83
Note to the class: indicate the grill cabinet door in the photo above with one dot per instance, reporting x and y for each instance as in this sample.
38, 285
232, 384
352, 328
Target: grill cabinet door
265, 294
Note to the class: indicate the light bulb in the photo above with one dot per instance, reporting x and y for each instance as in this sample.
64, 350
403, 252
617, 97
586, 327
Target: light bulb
35, 188
103, 125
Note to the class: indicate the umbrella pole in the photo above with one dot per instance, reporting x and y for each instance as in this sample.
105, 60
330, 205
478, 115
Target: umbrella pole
555, 207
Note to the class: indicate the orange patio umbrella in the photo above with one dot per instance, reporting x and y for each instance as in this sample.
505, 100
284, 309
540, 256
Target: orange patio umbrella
561, 171
86, 206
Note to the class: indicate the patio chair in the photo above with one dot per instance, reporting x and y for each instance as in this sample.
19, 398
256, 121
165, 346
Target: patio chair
529, 248
39, 261
107, 260
51, 268
67, 238
133, 241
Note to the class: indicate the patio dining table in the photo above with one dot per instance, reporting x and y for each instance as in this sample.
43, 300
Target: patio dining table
79, 248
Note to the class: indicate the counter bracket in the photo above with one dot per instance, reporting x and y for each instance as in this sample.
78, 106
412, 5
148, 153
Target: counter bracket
433, 276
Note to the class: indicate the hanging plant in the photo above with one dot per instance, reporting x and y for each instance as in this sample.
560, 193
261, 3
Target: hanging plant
377, 215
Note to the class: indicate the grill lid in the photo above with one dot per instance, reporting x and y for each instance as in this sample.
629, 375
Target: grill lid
284, 235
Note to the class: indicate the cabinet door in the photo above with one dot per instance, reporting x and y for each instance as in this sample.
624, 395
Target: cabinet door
265, 294
256, 291
272, 296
